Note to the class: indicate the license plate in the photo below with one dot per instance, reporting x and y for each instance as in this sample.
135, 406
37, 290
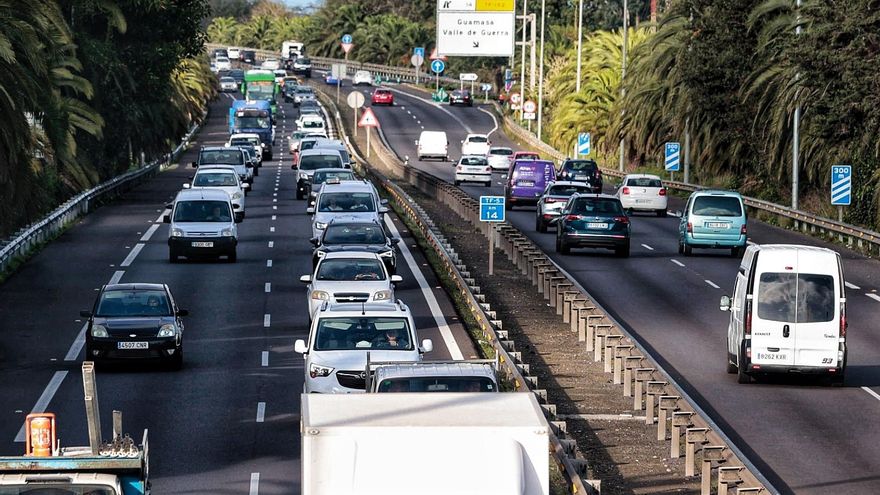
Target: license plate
763, 356
203, 244
596, 225
641, 201
527, 183
132, 345
717, 225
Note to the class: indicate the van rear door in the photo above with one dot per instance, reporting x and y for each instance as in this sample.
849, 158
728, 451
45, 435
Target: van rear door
773, 316
819, 300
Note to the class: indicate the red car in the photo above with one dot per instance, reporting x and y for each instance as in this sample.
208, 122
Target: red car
525, 155
383, 97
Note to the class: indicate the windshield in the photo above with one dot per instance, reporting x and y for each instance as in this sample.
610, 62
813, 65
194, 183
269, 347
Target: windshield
202, 211
350, 270
349, 202
263, 93
478, 139
580, 165
227, 156
341, 174
348, 234
501, 151
597, 206
567, 190
438, 384
644, 182
252, 122
314, 162
215, 179
717, 206
134, 303
337, 334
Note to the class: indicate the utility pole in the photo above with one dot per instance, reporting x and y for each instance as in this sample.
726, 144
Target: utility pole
623, 74
687, 150
533, 18
580, 24
795, 145
522, 70
541, 79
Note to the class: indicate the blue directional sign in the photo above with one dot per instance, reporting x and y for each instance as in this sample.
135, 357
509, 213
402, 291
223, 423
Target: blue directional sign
420, 51
673, 159
491, 208
346, 38
584, 143
438, 66
841, 185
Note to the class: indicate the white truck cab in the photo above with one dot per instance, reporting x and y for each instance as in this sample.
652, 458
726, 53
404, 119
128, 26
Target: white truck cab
787, 313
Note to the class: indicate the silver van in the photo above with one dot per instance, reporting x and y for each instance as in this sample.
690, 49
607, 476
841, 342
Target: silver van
202, 225
787, 313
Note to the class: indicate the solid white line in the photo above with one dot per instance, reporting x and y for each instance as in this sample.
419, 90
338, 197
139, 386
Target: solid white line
77, 345
711, 284
44, 400
132, 255
264, 359
269, 263
255, 484
496, 124
649, 248
271, 243
268, 287
117, 276
873, 296
873, 394
851, 286
149, 233
161, 218
445, 331
679, 263
261, 412
267, 320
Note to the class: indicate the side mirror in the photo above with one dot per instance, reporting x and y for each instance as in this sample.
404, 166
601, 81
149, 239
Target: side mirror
315, 241
383, 209
194, 165
239, 217
396, 279
416, 142
300, 346
85, 313
395, 241
725, 303
310, 210
427, 346
245, 186
383, 201
306, 279
168, 206
186, 185
249, 165
182, 312
166, 218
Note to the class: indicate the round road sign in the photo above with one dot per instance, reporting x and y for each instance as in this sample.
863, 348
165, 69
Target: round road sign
417, 60
529, 106
355, 99
438, 66
346, 38
515, 98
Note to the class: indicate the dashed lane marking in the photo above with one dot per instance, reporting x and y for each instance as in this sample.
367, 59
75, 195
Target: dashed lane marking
851, 286
132, 255
679, 263
269, 263
255, 484
267, 320
712, 284
261, 412
649, 248
44, 400
268, 287
873, 296
264, 359
149, 233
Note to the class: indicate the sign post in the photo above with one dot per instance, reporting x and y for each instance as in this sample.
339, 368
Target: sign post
583, 146
841, 188
491, 211
338, 71
672, 158
438, 66
417, 61
355, 100
368, 120
346, 47
486, 87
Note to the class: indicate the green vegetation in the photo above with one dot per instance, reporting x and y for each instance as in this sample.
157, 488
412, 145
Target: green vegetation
89, 85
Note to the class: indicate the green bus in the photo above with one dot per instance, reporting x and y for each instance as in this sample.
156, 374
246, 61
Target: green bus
260, 85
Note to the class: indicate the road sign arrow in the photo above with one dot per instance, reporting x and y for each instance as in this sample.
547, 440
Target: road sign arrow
476, 44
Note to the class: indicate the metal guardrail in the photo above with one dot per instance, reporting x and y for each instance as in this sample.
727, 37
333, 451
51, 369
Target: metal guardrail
45, 229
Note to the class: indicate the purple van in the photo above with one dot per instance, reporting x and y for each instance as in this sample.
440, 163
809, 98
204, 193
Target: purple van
526, 181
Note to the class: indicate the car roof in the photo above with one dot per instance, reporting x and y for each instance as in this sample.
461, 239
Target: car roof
213, 148
429, 369
595, 195
568, 183
641, 176
134, 286
500, 148
347, 186
225, 168
319, 151
716, 192
330, 143
249, 135
202, 193
351, 255
472, 156
358, 309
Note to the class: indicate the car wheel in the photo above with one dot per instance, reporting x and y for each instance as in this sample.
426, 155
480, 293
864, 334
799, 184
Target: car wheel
176, 362
622, 251
563, 247
680, 248
173, 257
558, 246
687, 250
661, 213
232, 256
741, 375
540, 226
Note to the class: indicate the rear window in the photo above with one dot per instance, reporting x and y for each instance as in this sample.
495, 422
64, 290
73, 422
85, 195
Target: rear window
438, 384
644, 182
215, 179
474, 160
228, 156
350, 234
597, 206
717, 206
478, 139
796, 298
501, 151
383, 92
341, 174
567, 190
580, 165
314, 162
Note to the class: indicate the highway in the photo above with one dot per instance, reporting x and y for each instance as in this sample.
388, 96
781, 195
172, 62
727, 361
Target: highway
229, 421
806, 438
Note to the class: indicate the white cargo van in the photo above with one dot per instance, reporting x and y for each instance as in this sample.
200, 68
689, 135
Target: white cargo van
787, 313
433, 144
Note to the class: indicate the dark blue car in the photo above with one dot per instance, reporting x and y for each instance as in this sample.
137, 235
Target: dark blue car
593, 220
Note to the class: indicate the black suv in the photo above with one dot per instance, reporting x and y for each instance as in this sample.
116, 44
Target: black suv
461, 97
356, 236
248, 56
582, 171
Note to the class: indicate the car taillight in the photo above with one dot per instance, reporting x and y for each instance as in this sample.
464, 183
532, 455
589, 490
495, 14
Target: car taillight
843, 319
487, 169
572, 218
690, 228
622, 219
625, 190
458, 168
748, 329
742, 230
662, 191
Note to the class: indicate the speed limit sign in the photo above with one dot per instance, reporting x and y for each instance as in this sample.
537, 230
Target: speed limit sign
529, 106
515, 98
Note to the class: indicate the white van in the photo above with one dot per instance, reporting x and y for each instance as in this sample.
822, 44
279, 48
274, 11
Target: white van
788, 313
433, 144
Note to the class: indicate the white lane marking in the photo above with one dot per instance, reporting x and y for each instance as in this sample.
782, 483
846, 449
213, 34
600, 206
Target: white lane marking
439, 107
271, 243
271, 229
274, 207
255, 484
44, 400
267, 320
269, 263
149, 233
496, 124
264, 359
712, 284
132, 255
161, 218
274, 217
77, 345
873, 394
268, 287
436, 312
851, 286
261, 412
117, 276
873, 296
649, 248
679, 263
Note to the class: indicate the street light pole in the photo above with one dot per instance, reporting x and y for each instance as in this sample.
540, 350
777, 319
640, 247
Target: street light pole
580, 23
541, 70
795, 145
522, 70
623, 73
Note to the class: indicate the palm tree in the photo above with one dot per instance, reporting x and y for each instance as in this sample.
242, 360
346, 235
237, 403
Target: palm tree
223, 30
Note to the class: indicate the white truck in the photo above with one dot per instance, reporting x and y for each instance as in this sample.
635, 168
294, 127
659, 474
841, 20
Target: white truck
291, 49
425, 443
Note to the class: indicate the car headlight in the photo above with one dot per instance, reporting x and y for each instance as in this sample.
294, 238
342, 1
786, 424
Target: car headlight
320, 225
382, 295
316, 370
175, 232
321, 295
389, 253
167, 330
226, 232
303, 176
99, 331
237, 195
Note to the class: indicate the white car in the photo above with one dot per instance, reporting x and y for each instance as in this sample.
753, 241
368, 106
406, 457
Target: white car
228, 85
224, 178
280, 74
349, 276
233, 52
310, 123
362, 77
223, 63
271, 64
340, 337
475, 144
472, 168
247, 138
354, 201
499, 157
642, 192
